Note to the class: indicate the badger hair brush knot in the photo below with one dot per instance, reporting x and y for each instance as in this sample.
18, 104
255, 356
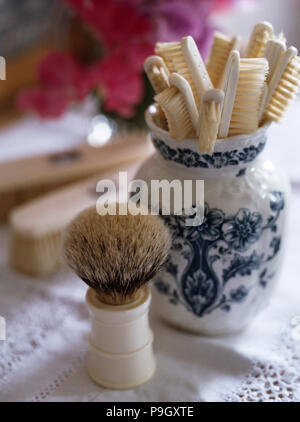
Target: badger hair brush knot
116, 254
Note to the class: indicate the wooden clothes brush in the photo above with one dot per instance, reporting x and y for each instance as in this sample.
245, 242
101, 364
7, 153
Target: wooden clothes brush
261, 34
37, 226
116, 255
218, 57
249, 90
23, 180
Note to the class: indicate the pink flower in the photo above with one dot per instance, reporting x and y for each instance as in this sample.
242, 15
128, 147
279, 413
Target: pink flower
176, 19
62, 71
221, 5
137, 52
62, 80
128, 30
46, 102
114, 22
120, 83
127, 36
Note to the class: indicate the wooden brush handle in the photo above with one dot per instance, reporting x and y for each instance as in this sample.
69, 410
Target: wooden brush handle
37, 226
71, 164
23, 180
52, 211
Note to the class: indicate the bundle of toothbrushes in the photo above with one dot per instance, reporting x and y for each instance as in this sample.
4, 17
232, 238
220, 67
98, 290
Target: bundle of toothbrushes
234, 93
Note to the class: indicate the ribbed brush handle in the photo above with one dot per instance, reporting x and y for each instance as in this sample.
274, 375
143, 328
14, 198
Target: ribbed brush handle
120, 342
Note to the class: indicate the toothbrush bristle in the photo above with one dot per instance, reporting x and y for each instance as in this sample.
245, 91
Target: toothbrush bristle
258, 42
167, 50
221, 48
245, 114
246, 85
173, 104
175, 61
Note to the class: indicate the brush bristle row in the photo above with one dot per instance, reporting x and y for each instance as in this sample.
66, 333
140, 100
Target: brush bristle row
257, 46
285, 91
216, 64
36, 256
173, 104
245, 114
175, 61
167, 50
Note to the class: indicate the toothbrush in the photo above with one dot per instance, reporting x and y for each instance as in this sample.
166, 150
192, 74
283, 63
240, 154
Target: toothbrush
211, 99
245, 114
167, 50
157, 72
184, 58
174, 106
184, 87
196, 65
274, 50
262, 32
283, 85
232, 72
219, 54
187, 61
209, 119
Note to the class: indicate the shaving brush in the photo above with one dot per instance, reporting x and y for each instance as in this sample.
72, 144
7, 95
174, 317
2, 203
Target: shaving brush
116, 255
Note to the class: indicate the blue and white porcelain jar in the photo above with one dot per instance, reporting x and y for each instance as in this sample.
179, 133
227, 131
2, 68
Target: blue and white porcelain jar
222, 273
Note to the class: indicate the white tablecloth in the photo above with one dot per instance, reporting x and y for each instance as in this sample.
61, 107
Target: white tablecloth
43, 357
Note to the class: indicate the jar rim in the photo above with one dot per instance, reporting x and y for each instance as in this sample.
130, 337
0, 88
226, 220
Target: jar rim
221, 145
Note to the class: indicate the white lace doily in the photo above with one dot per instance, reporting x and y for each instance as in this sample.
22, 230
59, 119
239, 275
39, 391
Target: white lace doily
43, 356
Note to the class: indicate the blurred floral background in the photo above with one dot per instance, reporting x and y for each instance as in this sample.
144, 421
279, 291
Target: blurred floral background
62, 53
110, 41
